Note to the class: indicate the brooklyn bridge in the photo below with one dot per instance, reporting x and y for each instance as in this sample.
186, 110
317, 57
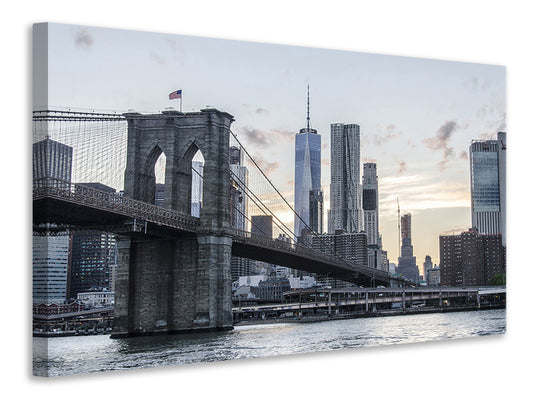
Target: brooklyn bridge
173, 270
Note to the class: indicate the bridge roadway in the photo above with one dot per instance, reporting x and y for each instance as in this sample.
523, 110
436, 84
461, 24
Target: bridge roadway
68, 204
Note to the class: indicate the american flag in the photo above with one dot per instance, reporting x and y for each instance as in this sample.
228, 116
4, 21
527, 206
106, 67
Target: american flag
175, 95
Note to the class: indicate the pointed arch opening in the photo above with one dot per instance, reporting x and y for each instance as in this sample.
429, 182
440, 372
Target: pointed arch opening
153, 187
197, 173
159, 172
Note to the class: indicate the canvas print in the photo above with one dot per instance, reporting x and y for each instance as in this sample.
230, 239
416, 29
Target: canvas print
199, 199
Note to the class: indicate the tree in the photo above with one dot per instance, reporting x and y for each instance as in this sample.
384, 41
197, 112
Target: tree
497, 280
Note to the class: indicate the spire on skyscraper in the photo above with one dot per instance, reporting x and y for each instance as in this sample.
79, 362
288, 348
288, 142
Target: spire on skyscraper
307, 107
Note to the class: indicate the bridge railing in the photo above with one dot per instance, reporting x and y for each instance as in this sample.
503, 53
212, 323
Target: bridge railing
111, 201
298, 249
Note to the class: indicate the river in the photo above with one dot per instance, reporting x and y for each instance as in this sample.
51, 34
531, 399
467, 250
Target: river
84, 354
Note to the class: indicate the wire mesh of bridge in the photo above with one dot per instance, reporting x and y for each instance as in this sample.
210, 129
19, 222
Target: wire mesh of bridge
99, 146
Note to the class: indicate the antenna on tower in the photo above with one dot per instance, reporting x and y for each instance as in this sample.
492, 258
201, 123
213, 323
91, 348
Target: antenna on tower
307, 107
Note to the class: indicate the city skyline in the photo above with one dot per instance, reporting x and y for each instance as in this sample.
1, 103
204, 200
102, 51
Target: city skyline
429, 109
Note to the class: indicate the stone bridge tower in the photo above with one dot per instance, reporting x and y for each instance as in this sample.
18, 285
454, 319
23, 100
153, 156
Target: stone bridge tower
180, 284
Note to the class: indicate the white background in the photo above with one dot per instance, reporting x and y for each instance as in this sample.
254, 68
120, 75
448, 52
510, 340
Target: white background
476, 31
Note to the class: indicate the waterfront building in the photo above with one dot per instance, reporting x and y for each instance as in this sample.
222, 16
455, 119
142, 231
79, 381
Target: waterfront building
97, 298
471, 258
384, 259
304, 282
428, 264
433, 276
392, 268
487, 185
51, 160
307, 177
407, 261
345, 188
271, 289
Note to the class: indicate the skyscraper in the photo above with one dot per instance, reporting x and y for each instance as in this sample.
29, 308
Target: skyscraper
371, 202
262, 225
307, 172
316, 211
502, 161
51, 161
407, 262
93, 257
487, 185
239, 210
345, 187
239, 200
428, 264
371, 214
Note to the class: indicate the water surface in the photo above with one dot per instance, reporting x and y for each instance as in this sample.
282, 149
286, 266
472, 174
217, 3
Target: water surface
83, 354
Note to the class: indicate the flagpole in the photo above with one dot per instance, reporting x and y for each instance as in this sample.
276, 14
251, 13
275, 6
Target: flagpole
181, 100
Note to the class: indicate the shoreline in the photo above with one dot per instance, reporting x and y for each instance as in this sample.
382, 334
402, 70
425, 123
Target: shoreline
376, 314
309, 319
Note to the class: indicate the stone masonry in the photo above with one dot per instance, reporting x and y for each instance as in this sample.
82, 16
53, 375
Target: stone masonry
177, 284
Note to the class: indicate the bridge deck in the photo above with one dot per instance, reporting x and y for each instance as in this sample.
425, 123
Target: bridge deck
67, 204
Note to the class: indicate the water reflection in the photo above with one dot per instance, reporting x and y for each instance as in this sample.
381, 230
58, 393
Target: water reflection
82, 354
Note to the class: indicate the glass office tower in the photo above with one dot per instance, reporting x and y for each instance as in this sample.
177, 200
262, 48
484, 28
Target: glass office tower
307, 172
486, 187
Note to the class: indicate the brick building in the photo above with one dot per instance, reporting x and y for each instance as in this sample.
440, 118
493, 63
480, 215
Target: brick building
470, 259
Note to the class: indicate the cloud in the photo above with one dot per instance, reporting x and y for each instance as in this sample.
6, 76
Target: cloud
266, 166
443, 135
156, 58
487, 136
482, 111
402, 166
257, 137
379, 140
471, 83
84, 39
463, 155
260, 110
441, 142
503, 124
421, 192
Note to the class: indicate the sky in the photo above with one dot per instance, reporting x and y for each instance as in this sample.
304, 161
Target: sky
417, 116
